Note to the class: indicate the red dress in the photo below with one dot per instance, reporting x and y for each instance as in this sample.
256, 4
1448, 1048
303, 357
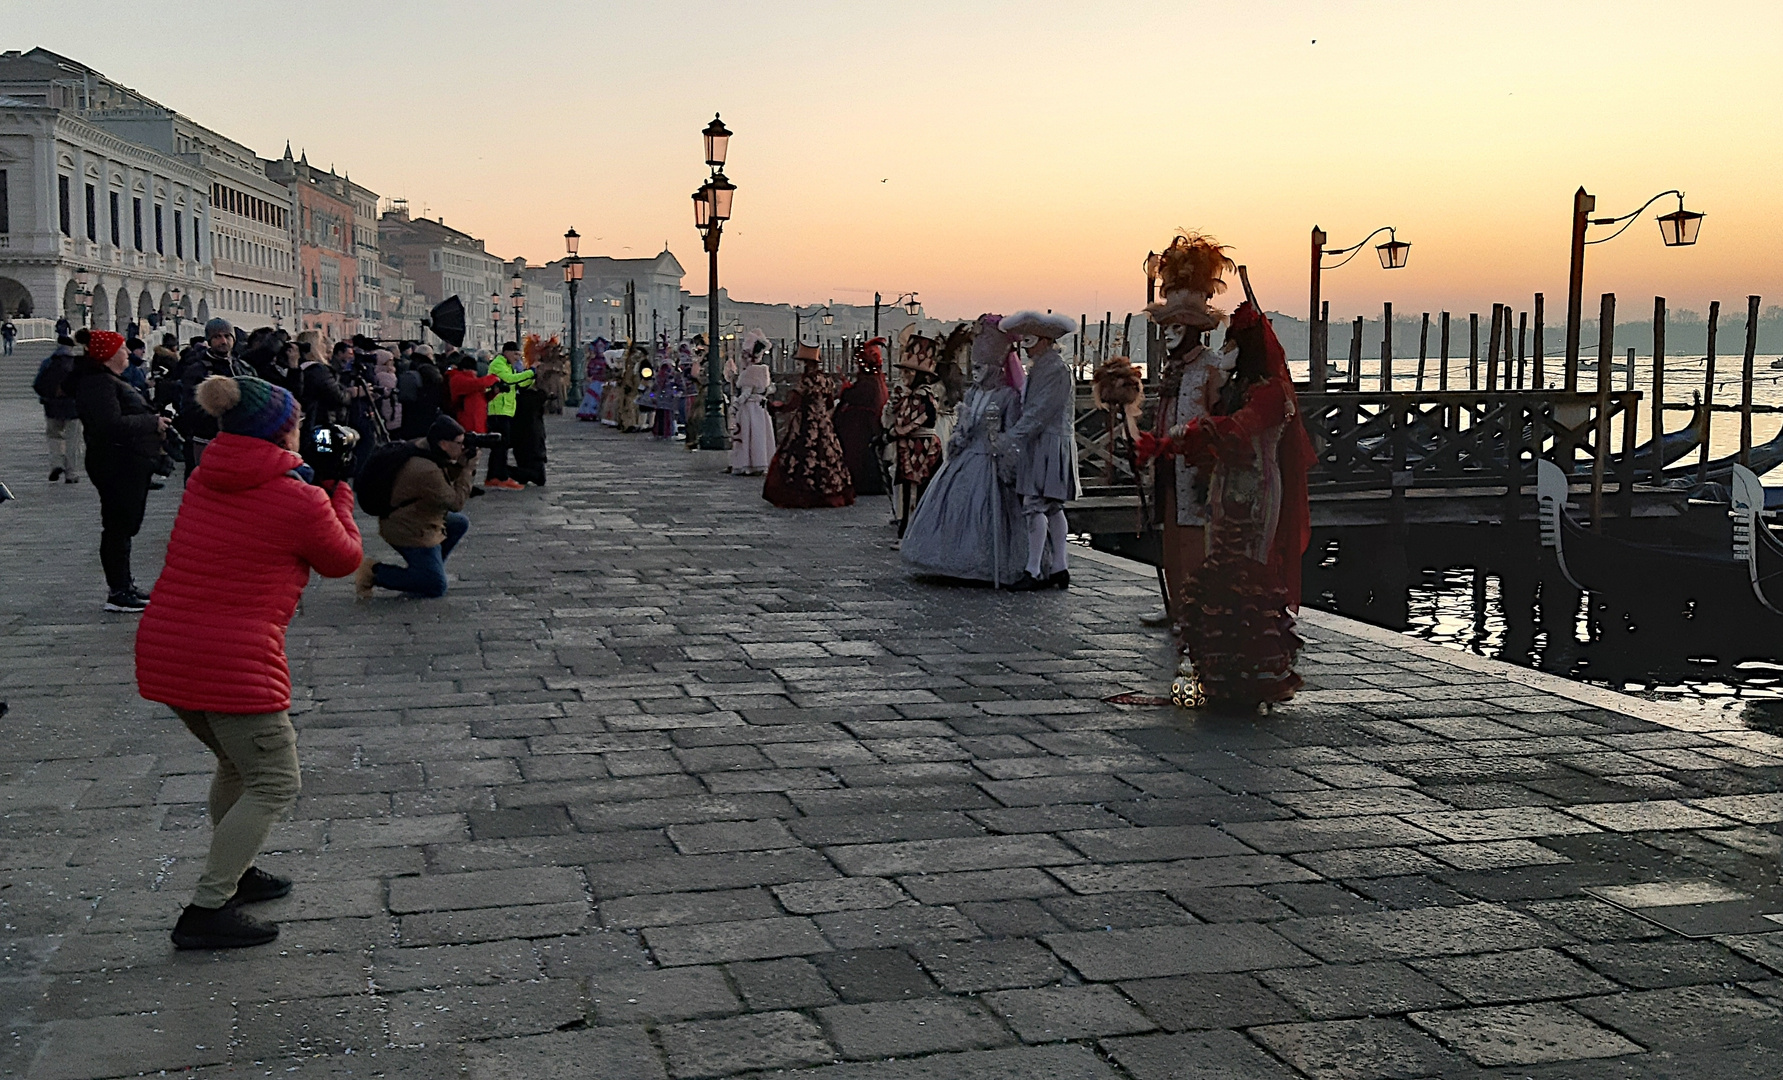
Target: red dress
808, 470
1237, 622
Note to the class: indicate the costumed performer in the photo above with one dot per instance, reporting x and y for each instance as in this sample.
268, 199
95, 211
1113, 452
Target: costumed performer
597, 378
1238, 605
752, 429
807, 469
969, 524
912, 416
858, 418
631, 383
1045, 446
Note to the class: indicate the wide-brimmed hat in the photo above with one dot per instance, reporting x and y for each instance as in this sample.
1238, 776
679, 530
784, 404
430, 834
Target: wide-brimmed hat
1038, 324
807, 353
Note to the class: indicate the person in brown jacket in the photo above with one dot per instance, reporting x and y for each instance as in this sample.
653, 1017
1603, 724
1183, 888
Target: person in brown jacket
425, 524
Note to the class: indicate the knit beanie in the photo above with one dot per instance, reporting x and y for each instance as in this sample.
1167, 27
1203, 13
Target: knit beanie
102, 345
444, 429
249, 406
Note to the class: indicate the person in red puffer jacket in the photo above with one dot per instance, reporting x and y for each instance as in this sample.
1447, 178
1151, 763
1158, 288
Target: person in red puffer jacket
250, 529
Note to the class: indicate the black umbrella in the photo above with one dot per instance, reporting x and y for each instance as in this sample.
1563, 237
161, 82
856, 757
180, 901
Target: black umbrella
446, 320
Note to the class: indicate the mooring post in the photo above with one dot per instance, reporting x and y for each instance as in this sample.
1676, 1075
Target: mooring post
1356, 354
1658, 389
1492, 349
1600, 442
1423, 348
1387, 348
1540, 376
1522, 347
1442, 373
1702, 461
1473, 351
1746, 381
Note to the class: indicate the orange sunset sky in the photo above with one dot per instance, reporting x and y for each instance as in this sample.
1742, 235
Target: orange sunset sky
1004, 155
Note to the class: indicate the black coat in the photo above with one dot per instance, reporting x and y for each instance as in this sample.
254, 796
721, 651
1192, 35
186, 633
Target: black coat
194, 422
121, 430
321, 395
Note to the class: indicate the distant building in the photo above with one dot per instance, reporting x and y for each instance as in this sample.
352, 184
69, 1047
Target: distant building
547, 309
328, 259
601, 295
443, 262
401, 307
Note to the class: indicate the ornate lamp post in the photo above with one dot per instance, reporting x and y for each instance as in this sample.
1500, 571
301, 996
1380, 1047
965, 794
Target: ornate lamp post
84, 294
178, 312
1392, 254
908, 301
711, 209
572, 276
1676, 229
494, 321
518, 300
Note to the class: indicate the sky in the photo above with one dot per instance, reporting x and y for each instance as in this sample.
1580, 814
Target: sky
995, 156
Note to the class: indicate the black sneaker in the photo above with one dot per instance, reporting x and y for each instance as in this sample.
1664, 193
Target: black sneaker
220, 928
55, 474
139, 594
126, 602
71, 479
256, 886
1060, 580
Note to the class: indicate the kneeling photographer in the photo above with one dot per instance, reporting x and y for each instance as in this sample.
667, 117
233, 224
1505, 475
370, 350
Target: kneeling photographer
417, 489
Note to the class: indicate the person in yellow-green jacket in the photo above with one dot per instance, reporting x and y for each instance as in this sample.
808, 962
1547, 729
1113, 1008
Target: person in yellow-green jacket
511, 373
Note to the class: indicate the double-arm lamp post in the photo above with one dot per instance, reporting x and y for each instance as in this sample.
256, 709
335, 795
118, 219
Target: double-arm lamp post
1677, 229
711, 209
799, 317
518, 300
572, 276
1392, 254
909, 301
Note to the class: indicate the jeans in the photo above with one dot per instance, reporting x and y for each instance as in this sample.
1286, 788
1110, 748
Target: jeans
64, 441
123, 498
498, 456
257, 780
425, 574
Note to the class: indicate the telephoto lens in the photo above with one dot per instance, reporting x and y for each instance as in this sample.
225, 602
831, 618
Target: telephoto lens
482, 441
328, 450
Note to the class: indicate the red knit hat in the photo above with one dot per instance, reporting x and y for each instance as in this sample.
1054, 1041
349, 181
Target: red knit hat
102, 345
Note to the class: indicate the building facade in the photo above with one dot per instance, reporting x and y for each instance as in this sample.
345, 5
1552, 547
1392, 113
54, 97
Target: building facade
327, 255
443, 262
656, 281
547, 311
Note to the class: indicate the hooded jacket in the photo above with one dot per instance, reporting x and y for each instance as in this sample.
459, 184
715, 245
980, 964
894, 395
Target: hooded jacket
246, 538
508, 380
119, 426
428, 486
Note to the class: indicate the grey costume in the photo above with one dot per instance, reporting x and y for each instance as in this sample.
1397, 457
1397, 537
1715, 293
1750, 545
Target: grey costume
968, 519
1043, 437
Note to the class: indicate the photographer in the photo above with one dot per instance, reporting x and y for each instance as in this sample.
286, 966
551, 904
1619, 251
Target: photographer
417, 490
197, 426
123, 447
318, 390
249, 531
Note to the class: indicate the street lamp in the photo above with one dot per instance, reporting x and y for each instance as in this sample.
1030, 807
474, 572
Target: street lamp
572, 276
177, 312
711, 209
1393, 255
907, 300
518, 300
799, 317
81, 290
1676, 229
494, 320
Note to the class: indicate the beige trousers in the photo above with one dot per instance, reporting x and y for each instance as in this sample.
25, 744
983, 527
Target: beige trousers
63, 437
257, 780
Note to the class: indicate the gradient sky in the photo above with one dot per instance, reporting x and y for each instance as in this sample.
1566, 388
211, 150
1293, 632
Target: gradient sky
1004, 155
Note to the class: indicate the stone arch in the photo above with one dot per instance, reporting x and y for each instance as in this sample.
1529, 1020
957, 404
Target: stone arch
101, 308
15, 299
122, 310
71, 303
145, 306
203, 315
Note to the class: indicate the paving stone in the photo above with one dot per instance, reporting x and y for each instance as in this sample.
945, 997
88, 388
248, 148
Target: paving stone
492, 924
790, 983
1116, 911
1336, 991
622, 997
676, 909
485, 889
1145, 844
1058, 789
964, 853
1046, 818
840, 894
1528, 975
1523, 1034
123, 1045
1495, 854
874, 975
1234, 1000
1011, 918
1174, 950
329, 1025
1207, 1055
525, 821
1694, 1018
1640, 816
1651, 965
1231, 904
731, 836
769, 1040
395, 970
1399, 935
1053, 1014
969, 967
717, 943
1592, 920
895, 926
685, 873
873, 828
1358, 1049
1063, 1062
1325, 834
457, 1013
624, 1053
899, 1028
980, 885
594, 951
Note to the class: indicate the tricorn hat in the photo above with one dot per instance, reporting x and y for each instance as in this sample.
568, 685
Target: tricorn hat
1038, 324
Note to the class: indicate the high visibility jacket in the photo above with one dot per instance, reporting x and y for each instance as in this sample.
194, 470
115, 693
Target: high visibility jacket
509, 380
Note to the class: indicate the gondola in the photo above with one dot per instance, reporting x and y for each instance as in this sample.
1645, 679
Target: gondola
1703, 579
1676, 444
1763, 458
1753, 542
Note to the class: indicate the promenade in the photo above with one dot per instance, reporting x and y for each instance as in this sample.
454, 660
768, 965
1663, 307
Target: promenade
676, 784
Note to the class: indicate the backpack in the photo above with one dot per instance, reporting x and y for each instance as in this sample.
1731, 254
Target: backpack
377, 481
52, 377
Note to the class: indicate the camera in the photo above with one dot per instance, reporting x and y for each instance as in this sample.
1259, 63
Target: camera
477, 440
328, 449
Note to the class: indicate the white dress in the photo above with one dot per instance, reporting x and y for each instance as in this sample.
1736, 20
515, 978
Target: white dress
752, 429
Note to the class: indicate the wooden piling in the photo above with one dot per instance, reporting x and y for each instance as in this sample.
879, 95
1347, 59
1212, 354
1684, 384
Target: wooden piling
1540, 375
1356, 354
1658, 388
1387, 348
1442, 373
1600, 443
1473, 350
1324, 329
1628, 380
1492, 341
1702, 461
1522, 348
1423, 348
1746, 381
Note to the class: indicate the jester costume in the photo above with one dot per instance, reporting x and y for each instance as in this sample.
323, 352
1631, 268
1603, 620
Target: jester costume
808, 469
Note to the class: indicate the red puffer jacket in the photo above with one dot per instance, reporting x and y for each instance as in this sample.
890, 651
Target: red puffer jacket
246, 538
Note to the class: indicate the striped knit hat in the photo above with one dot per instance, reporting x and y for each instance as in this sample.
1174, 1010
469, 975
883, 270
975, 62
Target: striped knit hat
249, 406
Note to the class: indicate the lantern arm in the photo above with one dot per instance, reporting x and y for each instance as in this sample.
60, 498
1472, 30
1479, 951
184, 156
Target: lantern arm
1628, 219
1351, 251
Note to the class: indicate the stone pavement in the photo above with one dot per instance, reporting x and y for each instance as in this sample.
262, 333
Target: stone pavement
674, 784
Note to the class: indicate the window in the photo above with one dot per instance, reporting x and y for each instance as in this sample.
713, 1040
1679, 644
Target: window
179, 237
62, 205
136, 222
197, 235
92, 213
5, 208
160, 247
114, 220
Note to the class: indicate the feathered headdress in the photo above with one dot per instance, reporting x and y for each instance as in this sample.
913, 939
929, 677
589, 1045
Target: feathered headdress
1193, 262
